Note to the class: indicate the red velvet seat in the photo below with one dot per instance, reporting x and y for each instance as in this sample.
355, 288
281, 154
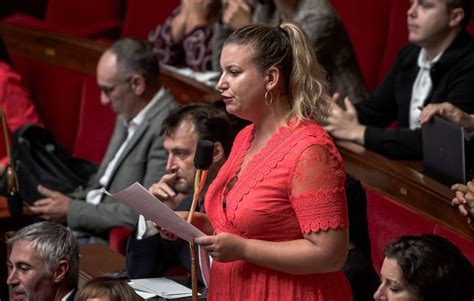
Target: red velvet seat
142, 16
95, 125
397, 35
466, 246
86, 18
366, 23
56, 91
118, 237
388, 221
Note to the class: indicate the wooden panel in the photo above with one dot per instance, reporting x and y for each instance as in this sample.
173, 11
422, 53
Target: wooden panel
73, 53
82, 55
97, 260
404, 184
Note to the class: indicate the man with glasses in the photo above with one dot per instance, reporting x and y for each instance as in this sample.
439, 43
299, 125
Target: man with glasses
127, 74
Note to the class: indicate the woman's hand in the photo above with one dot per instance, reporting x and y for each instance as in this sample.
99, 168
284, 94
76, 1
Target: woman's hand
344, 124
223, 247
464, 200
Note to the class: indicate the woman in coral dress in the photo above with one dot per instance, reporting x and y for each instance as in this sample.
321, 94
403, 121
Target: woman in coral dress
278, 204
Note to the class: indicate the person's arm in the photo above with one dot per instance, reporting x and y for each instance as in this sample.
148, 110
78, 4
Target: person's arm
319, 202
448, 111
16, 102
234, 15
192, 14
146, 166
379, 110
150, 256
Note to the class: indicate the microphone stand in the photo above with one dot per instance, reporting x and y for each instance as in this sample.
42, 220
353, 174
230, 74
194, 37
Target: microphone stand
202, 161
15, 203
199, 181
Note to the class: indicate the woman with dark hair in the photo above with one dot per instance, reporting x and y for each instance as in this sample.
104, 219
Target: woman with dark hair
14, 100
278, 204
425, 268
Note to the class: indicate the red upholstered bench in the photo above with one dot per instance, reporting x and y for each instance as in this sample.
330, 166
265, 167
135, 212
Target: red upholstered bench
388, 220
142, 16
85, 18
70, 107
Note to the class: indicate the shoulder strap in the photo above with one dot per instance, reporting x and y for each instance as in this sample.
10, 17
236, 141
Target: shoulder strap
12, 183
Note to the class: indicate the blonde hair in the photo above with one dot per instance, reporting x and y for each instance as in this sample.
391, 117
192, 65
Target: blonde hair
287, 48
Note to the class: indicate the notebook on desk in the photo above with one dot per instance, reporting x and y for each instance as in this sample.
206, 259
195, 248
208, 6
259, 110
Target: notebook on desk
444, 156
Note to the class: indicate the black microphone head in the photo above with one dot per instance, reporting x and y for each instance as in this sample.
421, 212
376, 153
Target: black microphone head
204, 153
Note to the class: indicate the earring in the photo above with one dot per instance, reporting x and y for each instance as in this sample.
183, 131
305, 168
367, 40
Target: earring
269, 103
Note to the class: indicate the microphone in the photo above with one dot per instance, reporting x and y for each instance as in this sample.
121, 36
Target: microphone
203, 156
202, 162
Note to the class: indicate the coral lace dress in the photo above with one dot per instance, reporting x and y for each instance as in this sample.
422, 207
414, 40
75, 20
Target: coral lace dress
295, 185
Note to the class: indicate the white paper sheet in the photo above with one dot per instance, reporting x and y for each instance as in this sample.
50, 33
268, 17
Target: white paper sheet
162, 287
139, 199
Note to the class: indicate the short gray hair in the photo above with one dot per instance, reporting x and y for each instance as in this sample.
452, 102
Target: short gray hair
53, 243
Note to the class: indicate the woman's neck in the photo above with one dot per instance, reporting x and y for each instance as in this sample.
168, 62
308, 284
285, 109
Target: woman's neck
276, 117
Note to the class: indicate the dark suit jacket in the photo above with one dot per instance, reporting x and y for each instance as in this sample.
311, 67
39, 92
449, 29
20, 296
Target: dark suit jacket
143, 160
452, 77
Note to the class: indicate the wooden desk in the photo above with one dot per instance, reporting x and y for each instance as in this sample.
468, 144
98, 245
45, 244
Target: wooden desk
404, 183
97, 260
82, 55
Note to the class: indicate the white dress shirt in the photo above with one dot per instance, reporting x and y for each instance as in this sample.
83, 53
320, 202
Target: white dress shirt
421, 87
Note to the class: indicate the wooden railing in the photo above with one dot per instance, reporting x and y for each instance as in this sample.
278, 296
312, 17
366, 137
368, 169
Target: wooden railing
82, 55
404, 183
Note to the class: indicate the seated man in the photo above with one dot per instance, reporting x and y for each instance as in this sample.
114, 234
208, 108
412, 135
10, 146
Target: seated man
127, 74
43, 263
438, 66
149, 255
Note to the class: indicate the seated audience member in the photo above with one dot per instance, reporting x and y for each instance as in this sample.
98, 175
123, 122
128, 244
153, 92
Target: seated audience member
127, 74
438, 66
107, 289
464, 199
14, 100
185, 37
425, 268
43, 263
150, 255
319, 21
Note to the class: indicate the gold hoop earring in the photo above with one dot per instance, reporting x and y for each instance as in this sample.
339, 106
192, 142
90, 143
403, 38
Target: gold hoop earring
269, 103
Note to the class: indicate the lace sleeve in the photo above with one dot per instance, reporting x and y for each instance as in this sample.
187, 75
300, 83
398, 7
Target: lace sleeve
318, 190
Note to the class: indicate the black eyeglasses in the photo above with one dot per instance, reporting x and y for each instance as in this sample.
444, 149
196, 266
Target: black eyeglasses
109, 89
